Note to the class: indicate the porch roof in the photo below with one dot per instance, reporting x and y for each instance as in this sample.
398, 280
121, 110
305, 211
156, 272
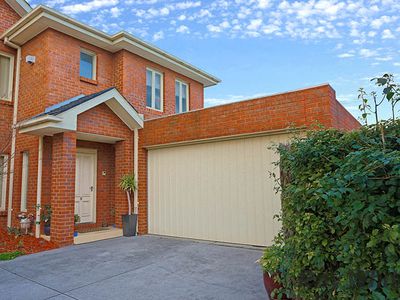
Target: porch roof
64, 115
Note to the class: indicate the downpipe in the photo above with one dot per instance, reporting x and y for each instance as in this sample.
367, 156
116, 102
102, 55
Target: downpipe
14, 130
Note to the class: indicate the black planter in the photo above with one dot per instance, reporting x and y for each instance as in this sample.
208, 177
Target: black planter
47, 229
129, 225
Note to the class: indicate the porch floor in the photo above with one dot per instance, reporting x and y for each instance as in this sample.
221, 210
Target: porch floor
93, 236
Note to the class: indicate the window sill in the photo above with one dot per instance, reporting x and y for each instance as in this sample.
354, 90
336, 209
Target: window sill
154, 109
6, 102
87, 80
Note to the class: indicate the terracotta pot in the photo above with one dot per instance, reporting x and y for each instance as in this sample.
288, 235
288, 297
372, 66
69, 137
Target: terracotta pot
270, 285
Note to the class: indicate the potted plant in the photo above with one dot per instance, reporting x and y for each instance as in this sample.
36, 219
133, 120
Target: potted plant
270, 263
129, 221
46, 218
77, 219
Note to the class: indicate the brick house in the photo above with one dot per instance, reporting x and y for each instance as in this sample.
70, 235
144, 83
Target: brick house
80, 108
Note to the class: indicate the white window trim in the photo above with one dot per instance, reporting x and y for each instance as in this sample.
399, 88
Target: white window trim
11, 74
4, 185
94, 62
153, 90
180, 95
24, 181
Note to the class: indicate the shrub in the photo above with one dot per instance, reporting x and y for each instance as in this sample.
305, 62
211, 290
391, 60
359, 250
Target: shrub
341, 215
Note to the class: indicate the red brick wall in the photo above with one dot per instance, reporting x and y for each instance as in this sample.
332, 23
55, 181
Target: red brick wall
102, 120
295, 109
55, 76
130, 78
63, 188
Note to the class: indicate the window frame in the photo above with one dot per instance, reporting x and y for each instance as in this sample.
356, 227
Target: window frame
181, 82
24, 181
3, 192
94, 63
153, 90
11, 76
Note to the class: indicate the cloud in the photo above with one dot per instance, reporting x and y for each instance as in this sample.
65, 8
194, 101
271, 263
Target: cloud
183, 29
254, 24
158, 36
345, 55
367, 53
115, 12
387, 34
88, 6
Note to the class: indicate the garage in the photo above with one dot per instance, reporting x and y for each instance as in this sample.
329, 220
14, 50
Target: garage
216, 190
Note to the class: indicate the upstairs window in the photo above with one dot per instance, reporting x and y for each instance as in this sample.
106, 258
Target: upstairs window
6, 76
181, 97
154, 89
88, 64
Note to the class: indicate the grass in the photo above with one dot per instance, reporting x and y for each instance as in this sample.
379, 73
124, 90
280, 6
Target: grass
10, 255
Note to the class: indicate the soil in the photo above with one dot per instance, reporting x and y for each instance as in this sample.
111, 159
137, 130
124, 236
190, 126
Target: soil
26, 244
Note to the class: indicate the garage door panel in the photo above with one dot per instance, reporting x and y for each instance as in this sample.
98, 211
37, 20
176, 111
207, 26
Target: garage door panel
218, 191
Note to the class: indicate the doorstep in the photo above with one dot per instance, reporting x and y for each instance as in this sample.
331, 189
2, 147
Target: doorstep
45, 237
93, 236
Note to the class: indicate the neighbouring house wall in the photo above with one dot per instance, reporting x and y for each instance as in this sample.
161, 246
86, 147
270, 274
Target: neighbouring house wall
301, 109
7, 18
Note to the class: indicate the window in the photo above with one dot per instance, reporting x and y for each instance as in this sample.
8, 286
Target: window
154, 89
181, 97
24, 185
88, 64
3, 181
6, 76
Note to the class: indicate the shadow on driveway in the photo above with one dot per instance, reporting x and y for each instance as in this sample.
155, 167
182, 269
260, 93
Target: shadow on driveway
145, 267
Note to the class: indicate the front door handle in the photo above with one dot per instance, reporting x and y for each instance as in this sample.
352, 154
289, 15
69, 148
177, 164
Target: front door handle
91, 189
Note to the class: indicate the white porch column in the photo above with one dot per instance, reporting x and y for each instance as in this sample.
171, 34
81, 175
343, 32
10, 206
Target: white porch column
136, 167
39, 187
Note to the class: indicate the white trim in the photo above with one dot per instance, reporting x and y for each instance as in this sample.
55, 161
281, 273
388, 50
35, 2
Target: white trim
3, 194
43, 17
182, 83
94, 202
93, 55
24, 181
10, 74
153, 89
67, 121
20, 6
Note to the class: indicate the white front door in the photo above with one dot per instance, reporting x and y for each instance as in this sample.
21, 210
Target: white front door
85, 185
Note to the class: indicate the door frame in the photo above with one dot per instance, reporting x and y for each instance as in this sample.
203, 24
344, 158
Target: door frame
94, 202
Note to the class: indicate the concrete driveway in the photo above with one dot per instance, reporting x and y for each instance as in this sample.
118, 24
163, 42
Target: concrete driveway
145, 267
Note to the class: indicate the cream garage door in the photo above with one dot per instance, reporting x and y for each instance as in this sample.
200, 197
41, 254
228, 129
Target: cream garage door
217, 191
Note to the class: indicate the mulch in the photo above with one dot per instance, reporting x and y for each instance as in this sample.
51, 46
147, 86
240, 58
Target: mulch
26, 244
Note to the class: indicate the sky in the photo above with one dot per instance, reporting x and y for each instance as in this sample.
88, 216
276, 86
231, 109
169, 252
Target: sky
262, 47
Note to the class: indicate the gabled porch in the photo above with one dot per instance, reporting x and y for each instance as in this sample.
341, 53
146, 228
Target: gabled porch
86, 144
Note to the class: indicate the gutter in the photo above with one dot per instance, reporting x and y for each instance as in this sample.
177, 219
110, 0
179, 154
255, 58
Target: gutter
14, 130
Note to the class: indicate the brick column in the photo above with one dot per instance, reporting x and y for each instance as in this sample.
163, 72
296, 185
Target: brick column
63, 188
123, 166
142, 188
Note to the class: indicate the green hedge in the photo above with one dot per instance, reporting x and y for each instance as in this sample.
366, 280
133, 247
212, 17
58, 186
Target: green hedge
341, 215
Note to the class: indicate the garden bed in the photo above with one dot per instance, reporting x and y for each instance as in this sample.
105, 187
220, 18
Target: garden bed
23, 244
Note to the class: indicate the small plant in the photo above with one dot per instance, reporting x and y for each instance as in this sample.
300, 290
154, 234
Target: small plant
46, 215
77, 219
14, 231
128, 184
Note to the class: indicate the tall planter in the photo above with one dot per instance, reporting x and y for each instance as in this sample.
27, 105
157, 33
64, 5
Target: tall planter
129, 224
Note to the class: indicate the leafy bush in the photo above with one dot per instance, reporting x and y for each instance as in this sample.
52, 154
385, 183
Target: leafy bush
341, 215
